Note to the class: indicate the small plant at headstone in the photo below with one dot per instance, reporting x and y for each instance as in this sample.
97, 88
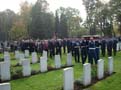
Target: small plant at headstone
16, 73
1, 59
34, 72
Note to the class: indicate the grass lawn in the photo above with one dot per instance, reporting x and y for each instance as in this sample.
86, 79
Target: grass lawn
53, 80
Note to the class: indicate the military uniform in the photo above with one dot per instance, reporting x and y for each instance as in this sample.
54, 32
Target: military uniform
97, 45
76, 51
84, 51
103, 47
92, 52
109, 47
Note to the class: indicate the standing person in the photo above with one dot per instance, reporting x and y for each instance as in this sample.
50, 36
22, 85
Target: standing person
97, 45
103, 47
92, 52
76, 51
109, 47
64, 46
41, 47
69, 46
58, 47
114, 46
51, 48
83, 50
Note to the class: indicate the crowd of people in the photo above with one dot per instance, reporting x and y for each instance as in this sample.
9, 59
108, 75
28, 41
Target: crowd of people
87, 49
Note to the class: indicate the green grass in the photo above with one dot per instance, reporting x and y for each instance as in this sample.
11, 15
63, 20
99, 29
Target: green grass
53, 80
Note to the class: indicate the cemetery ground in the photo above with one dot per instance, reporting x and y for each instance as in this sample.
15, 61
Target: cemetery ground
53, 80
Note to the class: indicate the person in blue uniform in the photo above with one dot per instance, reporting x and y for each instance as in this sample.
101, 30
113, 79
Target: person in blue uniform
68, 46
92, 52
64, 43
103, 47
76, 51
97, 45
109, 47
58, 47
83, 51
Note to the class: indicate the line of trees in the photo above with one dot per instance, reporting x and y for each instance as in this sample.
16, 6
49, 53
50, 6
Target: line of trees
103, 18
37, 22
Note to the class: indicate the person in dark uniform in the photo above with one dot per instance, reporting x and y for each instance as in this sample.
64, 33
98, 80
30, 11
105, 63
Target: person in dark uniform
64, 46
73, 43
97, 45
68, 46
40, 48
109, 47
103, 47
92, 52
51, 48
114, 46
76, 51
58, 47
83, 51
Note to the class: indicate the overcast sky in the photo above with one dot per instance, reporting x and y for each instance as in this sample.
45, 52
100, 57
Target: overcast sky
53, 5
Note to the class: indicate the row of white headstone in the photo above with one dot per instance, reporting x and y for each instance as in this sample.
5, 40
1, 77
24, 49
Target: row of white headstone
26, 67
69, 77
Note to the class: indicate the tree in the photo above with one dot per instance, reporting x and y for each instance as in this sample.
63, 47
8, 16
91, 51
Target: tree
25, 14
73, 19
99, 17
57, 23
42, 24
18, 31
7, 18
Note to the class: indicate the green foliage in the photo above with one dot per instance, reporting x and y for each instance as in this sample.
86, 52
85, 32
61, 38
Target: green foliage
42, 23
7, 18
69, 21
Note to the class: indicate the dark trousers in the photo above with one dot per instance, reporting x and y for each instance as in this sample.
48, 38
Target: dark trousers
97, 53
92, 56
114, 51
58, 51
83, 55
109, 52
103, 51
52, 53
76, 55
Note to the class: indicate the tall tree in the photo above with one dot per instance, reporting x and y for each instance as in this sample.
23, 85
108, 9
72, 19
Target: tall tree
42, 20
73, 19
7, 18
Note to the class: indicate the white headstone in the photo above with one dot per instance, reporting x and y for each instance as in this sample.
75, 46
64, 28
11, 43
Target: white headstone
7, 58
5, 86
110, 65
17, 54
26, 53
43, 64
21, 57
69, 59
6, 53
5, 71
45, 54
68, 79
57, 61
100, 69
86, 74
26, 67
34, 57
